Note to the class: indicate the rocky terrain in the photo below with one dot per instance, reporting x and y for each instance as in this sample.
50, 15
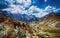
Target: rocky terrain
47, 27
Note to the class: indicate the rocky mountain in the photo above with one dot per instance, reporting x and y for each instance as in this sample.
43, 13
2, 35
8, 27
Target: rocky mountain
52, 20
12, 28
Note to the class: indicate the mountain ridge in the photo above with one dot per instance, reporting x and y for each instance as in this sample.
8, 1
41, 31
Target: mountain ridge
51, 19
12, 28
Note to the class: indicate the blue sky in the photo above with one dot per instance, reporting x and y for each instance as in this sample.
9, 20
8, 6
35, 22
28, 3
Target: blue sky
44, 3
38, 8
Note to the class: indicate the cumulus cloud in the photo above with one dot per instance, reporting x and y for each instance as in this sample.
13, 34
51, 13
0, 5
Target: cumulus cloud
45, 0
19, 8
33, 10
40, 12
24, 3
50, 8
15, 9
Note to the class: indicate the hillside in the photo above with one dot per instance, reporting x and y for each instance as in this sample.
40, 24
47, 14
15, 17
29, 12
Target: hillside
52, 20
12, 28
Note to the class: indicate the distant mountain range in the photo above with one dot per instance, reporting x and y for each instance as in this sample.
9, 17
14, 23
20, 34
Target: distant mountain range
30, 18
22, 17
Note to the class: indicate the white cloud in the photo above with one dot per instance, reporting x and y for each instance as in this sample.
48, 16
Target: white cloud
24, 3
16, 9
31, 11
19, 1
34, 8
57, 10
45, 0
50, 9
40, 12
20, 8
10, 1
